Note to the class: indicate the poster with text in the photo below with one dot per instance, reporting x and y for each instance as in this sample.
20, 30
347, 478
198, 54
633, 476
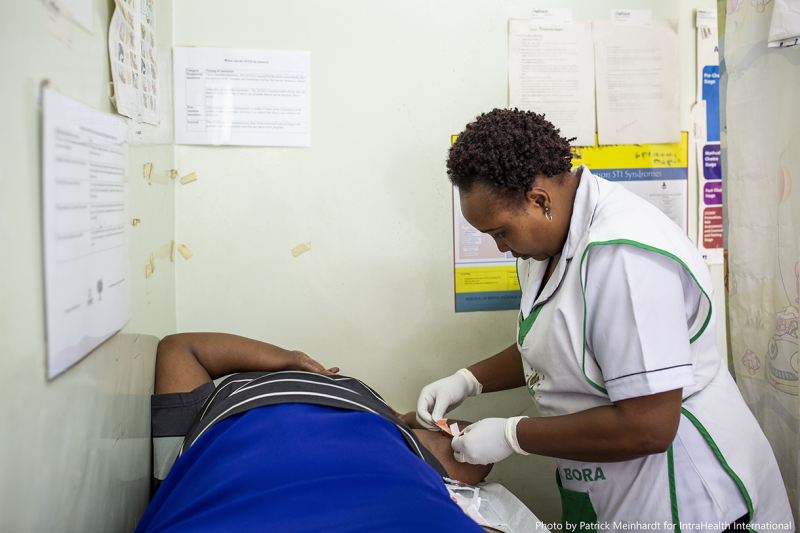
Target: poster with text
709, 238
226, 96
133, 51
85, 228
656, 172
485, 277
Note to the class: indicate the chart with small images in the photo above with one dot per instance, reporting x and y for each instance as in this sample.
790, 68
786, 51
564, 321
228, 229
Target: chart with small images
134, 65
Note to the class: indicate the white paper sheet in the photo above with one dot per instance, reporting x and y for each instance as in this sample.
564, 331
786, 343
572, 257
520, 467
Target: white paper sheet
504, 511
631, 17
784, 30
551, 16
706, 18
133, 51
669, 196
82, 12
638, 83
551, 71
705, 112
707, 49
242, 97
58, 20
85, 214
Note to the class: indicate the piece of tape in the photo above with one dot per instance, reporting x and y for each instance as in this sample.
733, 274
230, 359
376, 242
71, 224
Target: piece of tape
451, 429
301, 248
58, 19
147, 169
135, 221
189, 178
173, 173
185, 252
112, 95
148, 271
152, 263
172, 251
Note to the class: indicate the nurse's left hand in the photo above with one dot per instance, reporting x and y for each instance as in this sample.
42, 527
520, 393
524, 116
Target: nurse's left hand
483, 442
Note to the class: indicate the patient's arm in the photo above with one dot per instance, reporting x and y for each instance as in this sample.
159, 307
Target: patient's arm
438, 443
187, 360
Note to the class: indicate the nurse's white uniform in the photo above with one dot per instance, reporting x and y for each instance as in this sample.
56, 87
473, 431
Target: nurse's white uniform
629, 312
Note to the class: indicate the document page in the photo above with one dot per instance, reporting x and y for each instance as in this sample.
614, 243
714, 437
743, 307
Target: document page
85, 224
551, 71
242, 97
133, 53
710, 227
485, 278
638, 83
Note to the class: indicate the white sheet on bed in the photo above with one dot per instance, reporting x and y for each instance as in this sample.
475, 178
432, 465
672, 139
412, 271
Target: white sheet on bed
494, 505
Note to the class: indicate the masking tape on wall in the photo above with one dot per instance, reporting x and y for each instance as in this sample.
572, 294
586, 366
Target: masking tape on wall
185, 252
189, 178
301, 248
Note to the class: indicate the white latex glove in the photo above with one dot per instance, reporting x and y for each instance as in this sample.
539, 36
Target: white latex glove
441, 397
487, 441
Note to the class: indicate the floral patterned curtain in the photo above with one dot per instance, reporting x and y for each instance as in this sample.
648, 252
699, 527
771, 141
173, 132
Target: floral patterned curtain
761, 142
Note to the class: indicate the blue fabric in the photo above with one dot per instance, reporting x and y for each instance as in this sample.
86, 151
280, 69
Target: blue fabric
297, 468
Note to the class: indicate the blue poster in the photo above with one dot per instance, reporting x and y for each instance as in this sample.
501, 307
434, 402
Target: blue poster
711, 96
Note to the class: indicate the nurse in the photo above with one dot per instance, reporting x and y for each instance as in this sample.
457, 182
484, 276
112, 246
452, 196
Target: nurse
615, 343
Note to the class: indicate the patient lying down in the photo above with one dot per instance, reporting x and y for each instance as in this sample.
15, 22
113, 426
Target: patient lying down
286, 445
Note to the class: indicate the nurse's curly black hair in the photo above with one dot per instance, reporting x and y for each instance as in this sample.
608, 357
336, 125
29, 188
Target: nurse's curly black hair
507, 149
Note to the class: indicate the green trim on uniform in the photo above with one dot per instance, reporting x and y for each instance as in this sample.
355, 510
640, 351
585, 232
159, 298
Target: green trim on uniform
644, 247
576, 509
526, 325
722, 460
673, 496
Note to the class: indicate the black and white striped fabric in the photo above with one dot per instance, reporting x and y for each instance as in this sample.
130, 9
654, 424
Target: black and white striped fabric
241, 392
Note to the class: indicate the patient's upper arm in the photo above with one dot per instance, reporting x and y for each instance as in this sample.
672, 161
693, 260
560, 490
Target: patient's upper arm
177, 369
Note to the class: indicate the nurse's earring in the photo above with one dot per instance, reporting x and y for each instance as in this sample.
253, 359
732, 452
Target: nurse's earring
548, 214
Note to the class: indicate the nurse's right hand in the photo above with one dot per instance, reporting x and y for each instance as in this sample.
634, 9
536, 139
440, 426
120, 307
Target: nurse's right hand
441, 397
